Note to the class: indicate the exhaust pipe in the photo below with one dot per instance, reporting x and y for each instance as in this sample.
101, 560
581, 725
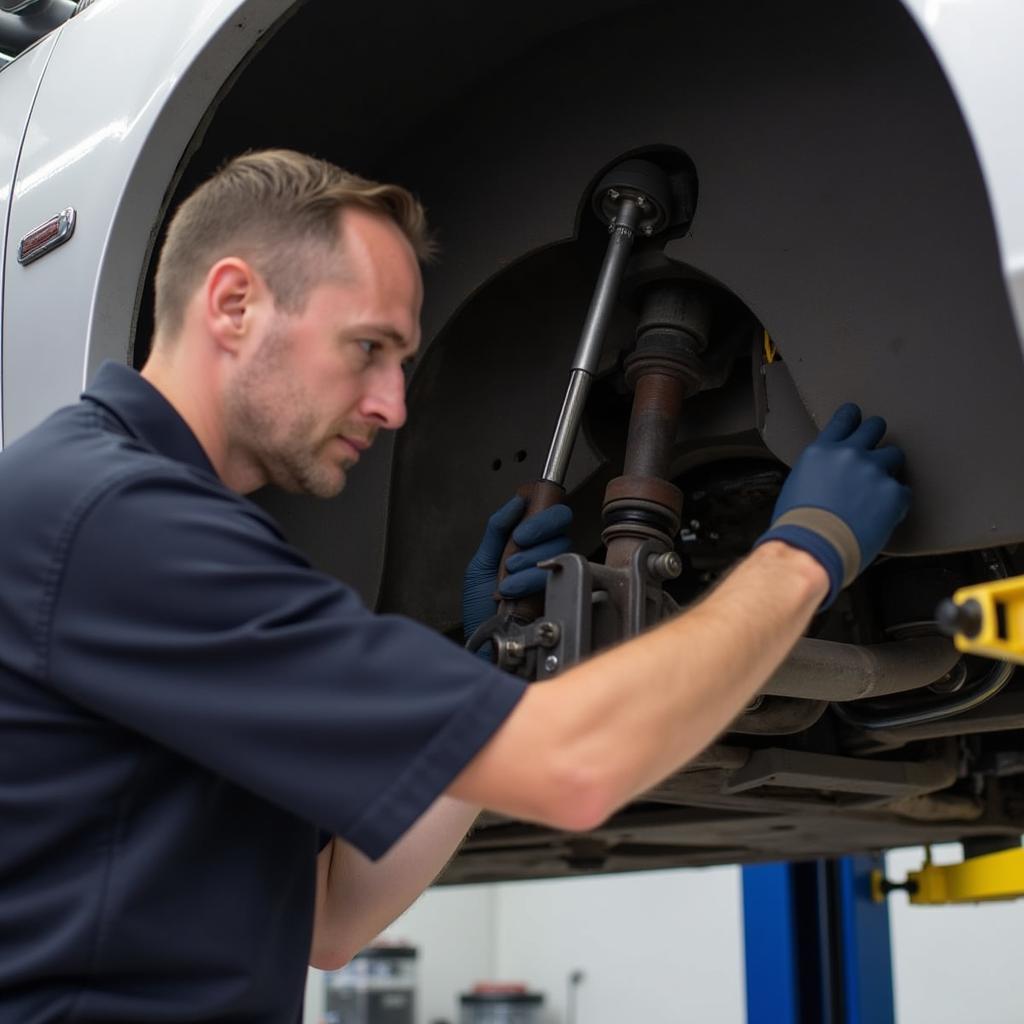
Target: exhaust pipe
826, 670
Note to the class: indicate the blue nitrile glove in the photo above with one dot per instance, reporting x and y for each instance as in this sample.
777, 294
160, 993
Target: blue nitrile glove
841, 501
540, 537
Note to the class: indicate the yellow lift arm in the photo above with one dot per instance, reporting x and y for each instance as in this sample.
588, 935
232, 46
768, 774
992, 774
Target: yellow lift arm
987, 619
992, 876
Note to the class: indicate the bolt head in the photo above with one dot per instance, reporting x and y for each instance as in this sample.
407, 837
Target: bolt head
551, 663
647, 230
547, 633
666, 566
613, 194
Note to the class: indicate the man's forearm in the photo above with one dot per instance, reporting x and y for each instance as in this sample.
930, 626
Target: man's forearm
591, 740
357, 898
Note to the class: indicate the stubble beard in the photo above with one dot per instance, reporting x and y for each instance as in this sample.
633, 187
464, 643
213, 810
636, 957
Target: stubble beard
271, 420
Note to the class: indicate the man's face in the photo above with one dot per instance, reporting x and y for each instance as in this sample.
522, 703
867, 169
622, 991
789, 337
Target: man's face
312, 393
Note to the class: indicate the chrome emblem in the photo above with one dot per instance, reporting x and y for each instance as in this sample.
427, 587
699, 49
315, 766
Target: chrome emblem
47, 237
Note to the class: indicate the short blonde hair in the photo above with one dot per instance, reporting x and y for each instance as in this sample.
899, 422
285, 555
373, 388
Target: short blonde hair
279, 210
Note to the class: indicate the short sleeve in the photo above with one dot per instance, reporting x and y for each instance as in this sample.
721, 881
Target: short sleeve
182, 614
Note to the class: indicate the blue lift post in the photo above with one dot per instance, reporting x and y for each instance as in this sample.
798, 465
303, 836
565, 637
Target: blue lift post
817, 947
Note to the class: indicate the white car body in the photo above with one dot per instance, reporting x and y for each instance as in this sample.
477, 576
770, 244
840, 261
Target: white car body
116, 93
117, 96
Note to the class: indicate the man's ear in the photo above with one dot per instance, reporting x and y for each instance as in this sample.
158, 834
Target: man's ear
233, 298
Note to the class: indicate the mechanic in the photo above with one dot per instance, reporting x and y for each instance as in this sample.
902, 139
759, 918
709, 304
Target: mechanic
187, 706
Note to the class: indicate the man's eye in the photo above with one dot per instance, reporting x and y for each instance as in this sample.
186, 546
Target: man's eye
368, 345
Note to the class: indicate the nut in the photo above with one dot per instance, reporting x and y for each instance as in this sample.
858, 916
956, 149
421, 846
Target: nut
510, 652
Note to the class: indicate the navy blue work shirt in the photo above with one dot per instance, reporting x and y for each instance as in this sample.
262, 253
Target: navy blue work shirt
184, 703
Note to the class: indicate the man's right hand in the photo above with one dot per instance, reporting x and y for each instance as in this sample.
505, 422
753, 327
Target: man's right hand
841, 501
539, 537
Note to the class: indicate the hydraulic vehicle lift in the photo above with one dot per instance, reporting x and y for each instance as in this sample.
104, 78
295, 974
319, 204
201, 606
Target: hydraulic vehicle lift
816, 944
817, 940
816, 934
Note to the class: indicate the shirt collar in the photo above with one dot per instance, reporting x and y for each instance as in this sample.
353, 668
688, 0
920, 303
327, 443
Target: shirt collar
146, 414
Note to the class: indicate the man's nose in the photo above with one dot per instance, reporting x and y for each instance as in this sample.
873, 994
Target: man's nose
385, 400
